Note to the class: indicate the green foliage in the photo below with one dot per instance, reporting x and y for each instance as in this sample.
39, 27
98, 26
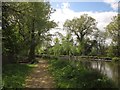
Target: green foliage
93, 52
112, 50
63, 46
14, 75
69, 76
67, 47
25, 25
57, 47
114, 33
81, 27
115, 59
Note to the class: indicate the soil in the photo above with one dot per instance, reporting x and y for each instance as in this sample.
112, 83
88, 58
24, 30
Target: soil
40, 77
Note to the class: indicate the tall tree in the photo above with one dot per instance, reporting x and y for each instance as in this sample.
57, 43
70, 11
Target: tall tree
25, 24
10, 37
100, 38
40, 15
113, 30
81, 27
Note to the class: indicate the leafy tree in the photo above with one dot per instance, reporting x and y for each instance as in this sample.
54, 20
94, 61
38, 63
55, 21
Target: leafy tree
25, 25
111, 51
66, 44
100, 38
40, 15
113, 31
11, 38
81, 27
56, 47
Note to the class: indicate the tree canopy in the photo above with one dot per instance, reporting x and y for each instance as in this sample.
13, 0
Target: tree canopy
25, 24
81, 27
113, 31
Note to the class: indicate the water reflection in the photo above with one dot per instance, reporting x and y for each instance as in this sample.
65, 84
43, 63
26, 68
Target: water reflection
111, 70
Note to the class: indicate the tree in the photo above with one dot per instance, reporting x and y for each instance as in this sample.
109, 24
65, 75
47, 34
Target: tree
67, 44
57, 47
113, 31
40, 24
10, 33
111, 51
25, 25
100, 39
81, 27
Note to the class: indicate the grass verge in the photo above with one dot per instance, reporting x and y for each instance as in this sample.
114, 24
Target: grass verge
14, 75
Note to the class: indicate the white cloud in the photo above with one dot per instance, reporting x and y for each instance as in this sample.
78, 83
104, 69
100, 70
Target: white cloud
64, 13
113, 3
109, 1
103, 18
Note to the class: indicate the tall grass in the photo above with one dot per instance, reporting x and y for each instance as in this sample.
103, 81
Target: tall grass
67, 76
14, 75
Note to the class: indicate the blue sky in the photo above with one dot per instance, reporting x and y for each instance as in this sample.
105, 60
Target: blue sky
90, 6
86, 6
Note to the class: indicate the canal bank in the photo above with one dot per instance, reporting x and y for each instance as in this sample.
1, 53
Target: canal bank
78, 74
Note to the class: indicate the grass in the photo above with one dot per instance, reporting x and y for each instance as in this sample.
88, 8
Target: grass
14, 75
69, 76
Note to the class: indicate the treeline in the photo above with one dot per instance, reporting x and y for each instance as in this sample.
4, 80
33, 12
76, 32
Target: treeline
25, 25
84, 38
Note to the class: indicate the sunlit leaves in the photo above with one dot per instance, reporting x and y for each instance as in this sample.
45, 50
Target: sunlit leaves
81, 27
113, 28
25, 25
113, 31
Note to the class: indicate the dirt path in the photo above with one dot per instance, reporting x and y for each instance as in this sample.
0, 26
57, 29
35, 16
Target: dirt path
40, 77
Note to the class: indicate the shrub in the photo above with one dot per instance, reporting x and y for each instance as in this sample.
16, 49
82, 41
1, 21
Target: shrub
115, 59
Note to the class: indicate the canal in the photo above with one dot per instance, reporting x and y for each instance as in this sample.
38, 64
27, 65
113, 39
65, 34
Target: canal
110, 69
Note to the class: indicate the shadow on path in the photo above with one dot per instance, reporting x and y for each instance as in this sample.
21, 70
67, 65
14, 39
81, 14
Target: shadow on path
40, 77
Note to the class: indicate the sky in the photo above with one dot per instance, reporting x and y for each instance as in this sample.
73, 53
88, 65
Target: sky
102, 11
85, 6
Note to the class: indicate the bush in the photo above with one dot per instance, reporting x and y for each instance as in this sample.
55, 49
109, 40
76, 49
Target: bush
115, 59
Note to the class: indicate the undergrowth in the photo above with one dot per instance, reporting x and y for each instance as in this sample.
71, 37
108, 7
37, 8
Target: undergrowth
69, 76
14, 75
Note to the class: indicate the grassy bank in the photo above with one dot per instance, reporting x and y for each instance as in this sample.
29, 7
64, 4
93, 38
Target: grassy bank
14, 75
69, 76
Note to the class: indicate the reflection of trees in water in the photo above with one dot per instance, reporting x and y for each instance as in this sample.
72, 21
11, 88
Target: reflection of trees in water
119, 75
76, 60
87, 65
114, 67
109, 69
99, 65
102, 66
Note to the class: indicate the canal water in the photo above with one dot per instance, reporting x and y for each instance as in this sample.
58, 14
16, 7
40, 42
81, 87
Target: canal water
110, 69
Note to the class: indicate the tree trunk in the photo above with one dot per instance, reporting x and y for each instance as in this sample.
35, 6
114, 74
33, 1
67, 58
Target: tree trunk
32, 44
